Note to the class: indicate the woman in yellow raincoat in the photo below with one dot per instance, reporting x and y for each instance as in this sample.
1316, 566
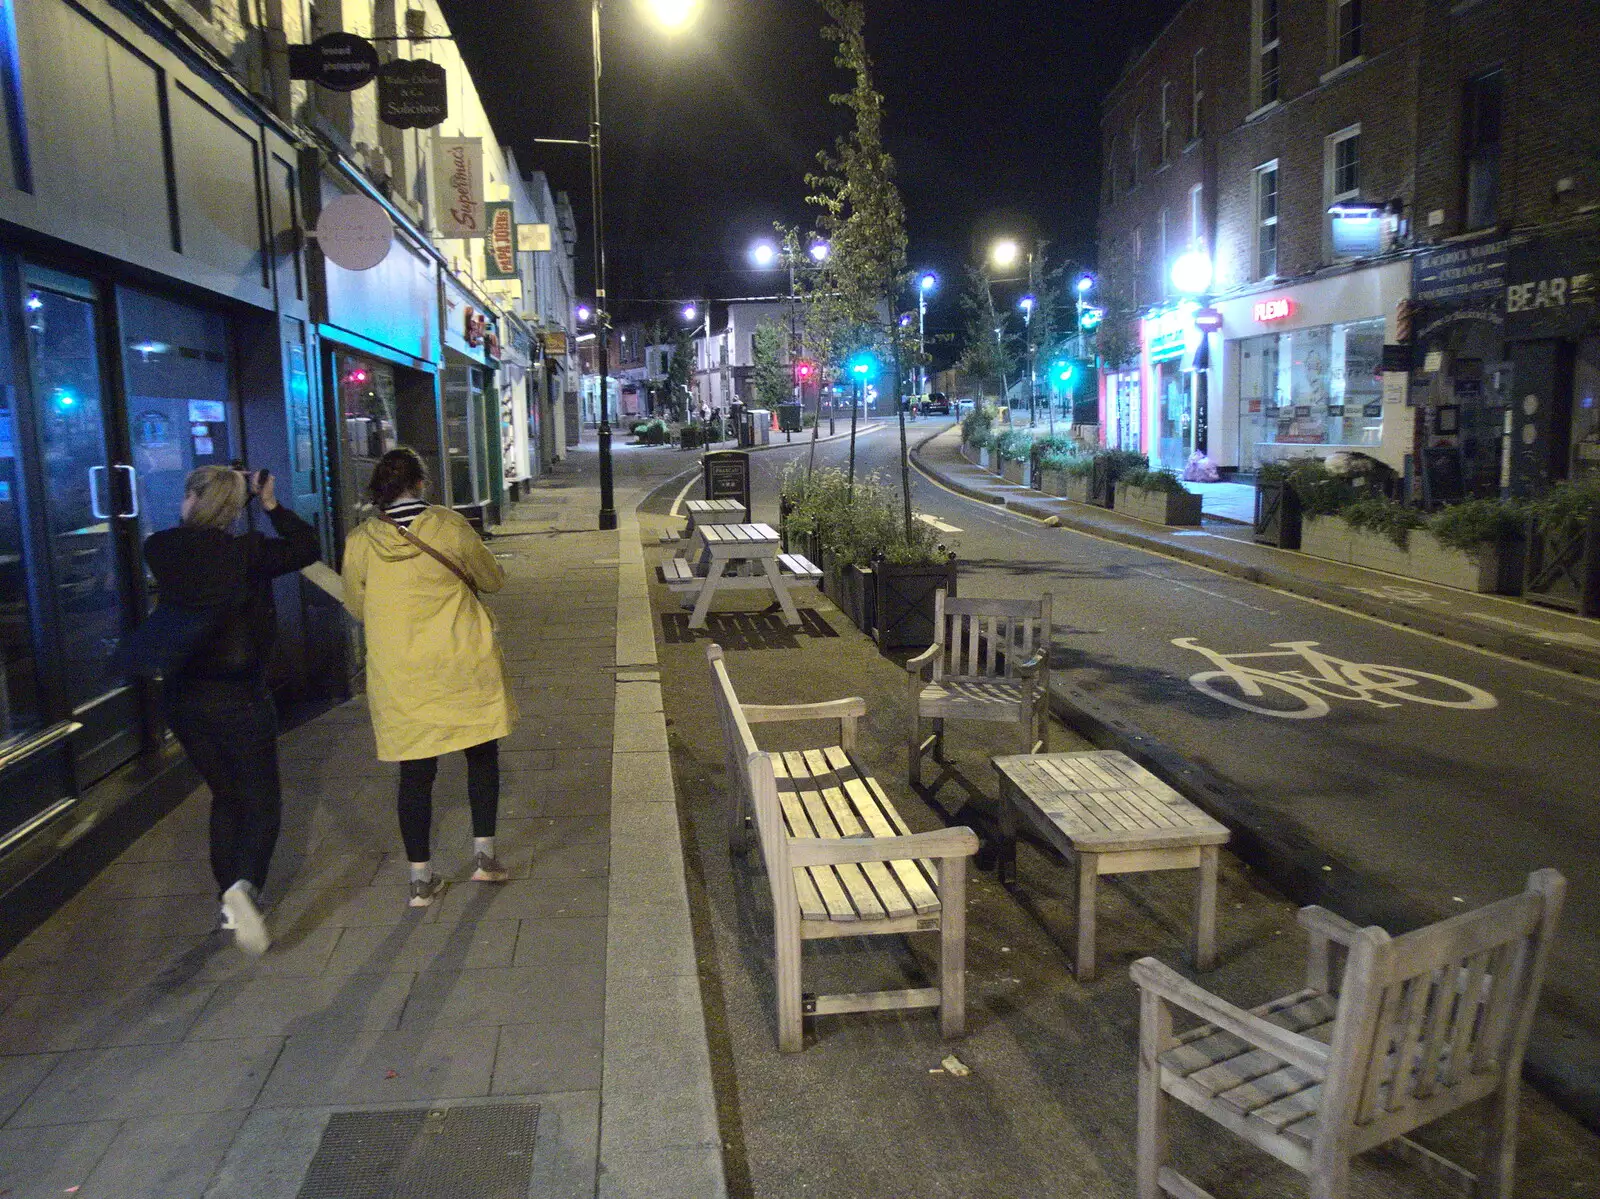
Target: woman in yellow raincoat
435, 681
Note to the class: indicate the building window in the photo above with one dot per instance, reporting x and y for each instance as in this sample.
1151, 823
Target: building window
1266, 57
1480, 149
1266, 206
1138, 262
1341, 177
1197, 229
1166, 123
1163, 261
1346, 31
1197, 93
1310, 387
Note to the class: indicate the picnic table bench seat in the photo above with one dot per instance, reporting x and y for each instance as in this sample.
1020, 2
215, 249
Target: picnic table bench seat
840, 859
679, 574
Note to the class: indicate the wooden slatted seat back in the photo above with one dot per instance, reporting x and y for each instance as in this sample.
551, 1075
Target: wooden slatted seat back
750, 769
988, 638
1439, 1017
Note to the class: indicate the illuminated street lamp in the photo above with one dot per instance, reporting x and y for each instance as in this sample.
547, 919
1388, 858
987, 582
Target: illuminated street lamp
764, 254
1005, 253
819, 252
1191, 273
671, 16
928, 282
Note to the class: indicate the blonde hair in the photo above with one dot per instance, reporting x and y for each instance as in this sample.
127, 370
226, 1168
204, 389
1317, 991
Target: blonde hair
220, 494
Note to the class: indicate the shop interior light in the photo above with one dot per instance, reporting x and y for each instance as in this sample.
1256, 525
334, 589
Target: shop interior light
1357, 210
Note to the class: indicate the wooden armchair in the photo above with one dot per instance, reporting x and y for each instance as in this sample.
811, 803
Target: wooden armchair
1418, 1026
990, 660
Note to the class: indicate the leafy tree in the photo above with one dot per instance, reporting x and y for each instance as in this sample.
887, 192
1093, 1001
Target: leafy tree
986, 355
862, 215
771, 373
1115, 341
679, 372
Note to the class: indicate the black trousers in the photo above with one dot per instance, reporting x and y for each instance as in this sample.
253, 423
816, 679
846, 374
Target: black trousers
229, 729
416, 797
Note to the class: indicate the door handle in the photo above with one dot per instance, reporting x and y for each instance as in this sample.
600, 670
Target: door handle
133, 491
94, 495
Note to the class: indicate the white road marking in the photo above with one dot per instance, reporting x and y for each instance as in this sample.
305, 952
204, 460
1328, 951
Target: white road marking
1542, 634
1150, 574
929, 519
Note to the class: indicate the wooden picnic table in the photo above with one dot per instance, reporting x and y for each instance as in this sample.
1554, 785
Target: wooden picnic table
711, 511
726, 544
1111, 816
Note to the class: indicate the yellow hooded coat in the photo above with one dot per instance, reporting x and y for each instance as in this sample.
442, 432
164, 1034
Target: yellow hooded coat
435, 681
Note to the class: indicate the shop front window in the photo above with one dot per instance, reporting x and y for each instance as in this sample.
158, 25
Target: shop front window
181, 409
1586, 410
1310, 387
367, 415
19, 676
465, 448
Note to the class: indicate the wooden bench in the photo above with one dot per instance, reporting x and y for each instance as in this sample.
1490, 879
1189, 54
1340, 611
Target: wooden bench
800, 567
1411, 1029
840, 860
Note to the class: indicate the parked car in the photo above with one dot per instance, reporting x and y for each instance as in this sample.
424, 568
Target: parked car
937, 404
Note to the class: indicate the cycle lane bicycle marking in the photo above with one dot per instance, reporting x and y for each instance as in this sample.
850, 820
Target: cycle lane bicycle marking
1328, 678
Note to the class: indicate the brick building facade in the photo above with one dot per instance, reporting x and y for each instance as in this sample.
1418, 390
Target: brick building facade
1453, 140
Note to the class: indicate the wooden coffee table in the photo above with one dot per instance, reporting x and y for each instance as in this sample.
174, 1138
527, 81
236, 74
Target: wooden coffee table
1112, 816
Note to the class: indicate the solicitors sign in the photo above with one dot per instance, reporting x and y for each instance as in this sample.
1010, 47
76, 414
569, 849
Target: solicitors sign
412, 94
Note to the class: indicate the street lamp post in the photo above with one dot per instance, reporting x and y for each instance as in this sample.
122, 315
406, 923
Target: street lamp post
927, 283
1027, 303
671, 15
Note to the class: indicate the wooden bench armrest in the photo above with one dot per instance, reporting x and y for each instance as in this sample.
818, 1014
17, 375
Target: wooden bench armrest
959, 842
1320, 922
1298, 1051
919, 665
834, 709
1029, 667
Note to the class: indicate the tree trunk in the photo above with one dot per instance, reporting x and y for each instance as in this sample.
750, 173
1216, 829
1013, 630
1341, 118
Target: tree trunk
905, 448
816, 425
855, 407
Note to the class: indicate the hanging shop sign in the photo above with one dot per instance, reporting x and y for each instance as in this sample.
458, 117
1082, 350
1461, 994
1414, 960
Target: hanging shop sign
555, 344
1553, 288
340, 62
500, 246
458, 181
413, 94
1279, 308
354, 232
533, 239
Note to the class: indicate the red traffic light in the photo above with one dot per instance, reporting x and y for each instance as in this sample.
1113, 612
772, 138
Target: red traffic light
805, 370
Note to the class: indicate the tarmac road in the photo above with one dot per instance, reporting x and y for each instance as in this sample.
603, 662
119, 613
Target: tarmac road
1445, 791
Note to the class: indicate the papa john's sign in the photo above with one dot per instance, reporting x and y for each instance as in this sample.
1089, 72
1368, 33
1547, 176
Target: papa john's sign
500, 249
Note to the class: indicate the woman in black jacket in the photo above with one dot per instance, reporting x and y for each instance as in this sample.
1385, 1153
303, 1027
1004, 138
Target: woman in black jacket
217, 701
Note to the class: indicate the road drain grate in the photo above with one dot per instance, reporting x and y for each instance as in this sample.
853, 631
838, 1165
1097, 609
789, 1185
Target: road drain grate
465, 1152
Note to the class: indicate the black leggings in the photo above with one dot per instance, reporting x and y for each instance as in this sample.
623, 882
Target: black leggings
416, 797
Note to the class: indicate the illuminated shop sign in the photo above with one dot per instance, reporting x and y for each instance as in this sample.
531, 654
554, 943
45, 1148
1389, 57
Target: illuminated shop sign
1167, 332
1279, 309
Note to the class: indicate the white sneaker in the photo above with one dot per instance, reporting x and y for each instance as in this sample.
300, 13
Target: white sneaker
249, 929
225, 921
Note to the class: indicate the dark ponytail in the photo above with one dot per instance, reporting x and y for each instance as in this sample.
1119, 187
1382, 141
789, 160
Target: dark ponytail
399, 471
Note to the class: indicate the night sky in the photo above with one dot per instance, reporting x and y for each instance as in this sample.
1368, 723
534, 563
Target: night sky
992, 116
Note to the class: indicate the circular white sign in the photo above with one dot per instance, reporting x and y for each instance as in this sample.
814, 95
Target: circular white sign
355, 232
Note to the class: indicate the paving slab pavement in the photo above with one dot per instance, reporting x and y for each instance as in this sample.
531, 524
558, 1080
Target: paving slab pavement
142, 1055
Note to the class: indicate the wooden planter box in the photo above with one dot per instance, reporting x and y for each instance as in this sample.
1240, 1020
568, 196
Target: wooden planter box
1072, 487
851, 588
903, 602
1278, 516
1488, 569
1158, 507
1565, 574
969, 451
1015, 472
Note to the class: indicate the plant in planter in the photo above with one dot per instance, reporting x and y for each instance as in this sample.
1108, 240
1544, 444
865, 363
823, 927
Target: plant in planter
1109, 466
1015, 448
1157, 496
1044, 448
977, 428
1491, 535
1385, 517
1564, 548
1066, 474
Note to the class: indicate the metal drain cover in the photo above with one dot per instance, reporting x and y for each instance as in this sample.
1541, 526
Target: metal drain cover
469, 1152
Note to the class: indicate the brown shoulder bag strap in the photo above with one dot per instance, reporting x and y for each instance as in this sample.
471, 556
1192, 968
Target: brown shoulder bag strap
431, 552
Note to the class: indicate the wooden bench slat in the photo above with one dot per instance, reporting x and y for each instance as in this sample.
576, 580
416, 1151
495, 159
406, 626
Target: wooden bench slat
814, 903
907, 888
835, 764
931, 898
860, 901
862, 880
